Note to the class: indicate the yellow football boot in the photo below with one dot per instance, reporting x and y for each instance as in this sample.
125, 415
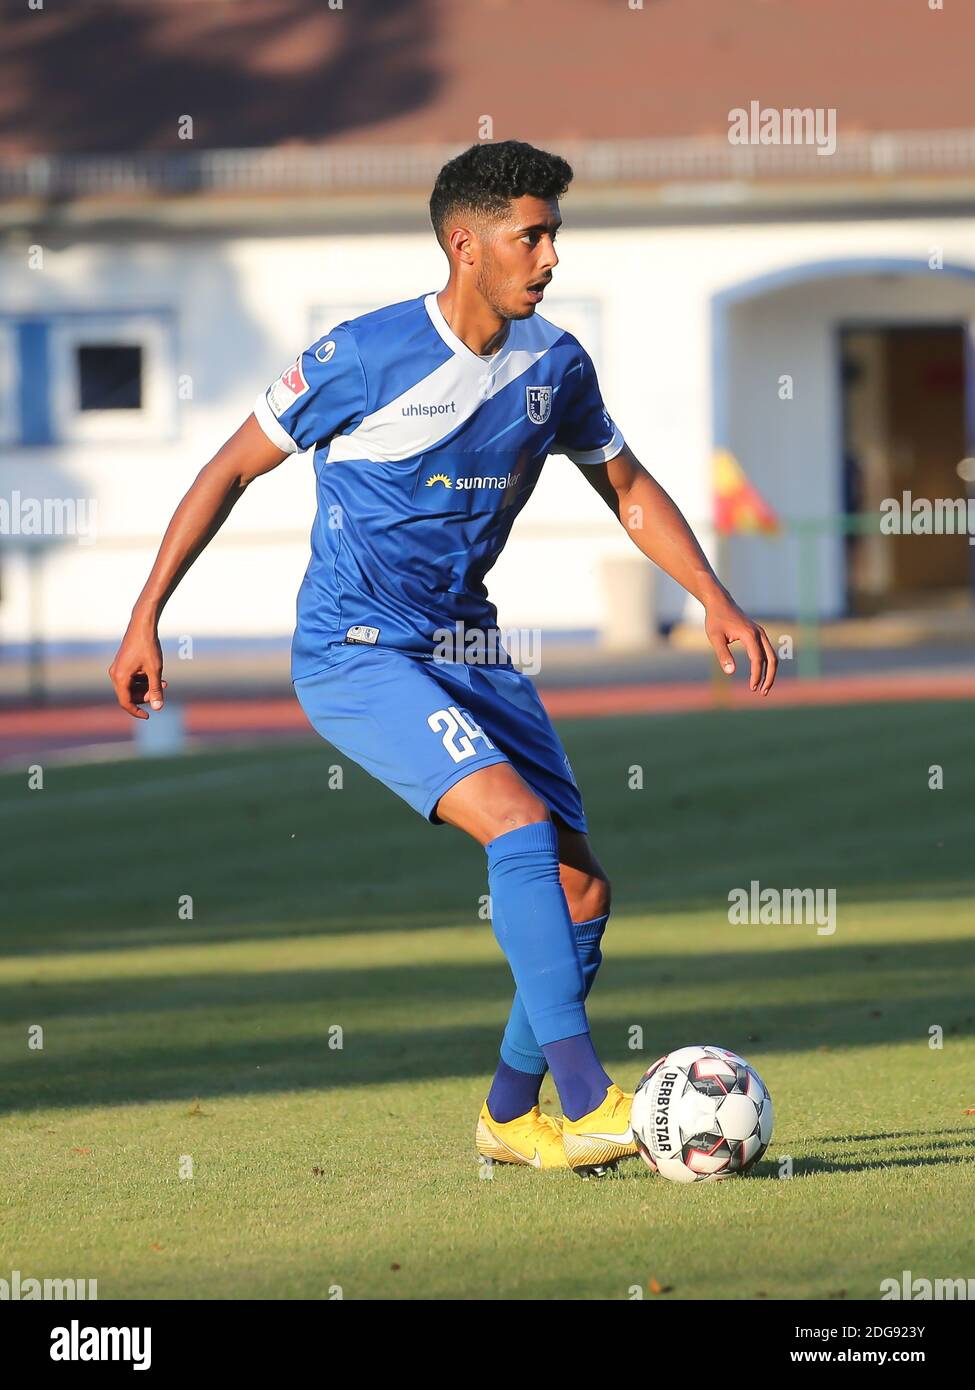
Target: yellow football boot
596, 1142
533, 1139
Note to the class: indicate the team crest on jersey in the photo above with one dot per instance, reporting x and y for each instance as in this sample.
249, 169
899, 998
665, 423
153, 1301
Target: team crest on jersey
539, 403
286, 390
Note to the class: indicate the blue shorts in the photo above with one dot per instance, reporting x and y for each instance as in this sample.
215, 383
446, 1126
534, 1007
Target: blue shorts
419, 725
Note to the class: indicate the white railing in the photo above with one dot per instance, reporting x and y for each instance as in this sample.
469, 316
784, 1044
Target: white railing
363, 167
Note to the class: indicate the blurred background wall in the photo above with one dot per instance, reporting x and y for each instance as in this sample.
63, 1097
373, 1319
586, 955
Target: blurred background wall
206, 188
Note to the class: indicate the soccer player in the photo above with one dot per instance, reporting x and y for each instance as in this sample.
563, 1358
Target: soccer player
430, 421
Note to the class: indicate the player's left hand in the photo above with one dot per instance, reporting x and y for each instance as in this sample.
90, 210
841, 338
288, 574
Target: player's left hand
724, 622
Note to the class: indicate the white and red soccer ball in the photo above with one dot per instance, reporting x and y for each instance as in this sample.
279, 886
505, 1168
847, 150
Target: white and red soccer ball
701, 1113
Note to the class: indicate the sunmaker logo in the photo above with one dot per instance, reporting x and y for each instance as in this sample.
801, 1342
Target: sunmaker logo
446, 408
489, 482
467, 484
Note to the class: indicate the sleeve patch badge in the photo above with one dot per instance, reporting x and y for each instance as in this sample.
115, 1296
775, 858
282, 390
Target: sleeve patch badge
286, 390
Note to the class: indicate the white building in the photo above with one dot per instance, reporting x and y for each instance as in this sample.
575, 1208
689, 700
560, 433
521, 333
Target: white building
810, 314
704, 336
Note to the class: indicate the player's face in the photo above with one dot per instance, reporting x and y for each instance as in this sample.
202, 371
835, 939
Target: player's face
517, 262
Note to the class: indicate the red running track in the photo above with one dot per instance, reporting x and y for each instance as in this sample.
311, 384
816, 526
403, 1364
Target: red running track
76, 726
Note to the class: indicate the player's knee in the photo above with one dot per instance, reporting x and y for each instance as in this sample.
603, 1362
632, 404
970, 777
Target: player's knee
519, 811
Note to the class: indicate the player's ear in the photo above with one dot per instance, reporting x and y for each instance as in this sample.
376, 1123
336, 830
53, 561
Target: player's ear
464, 243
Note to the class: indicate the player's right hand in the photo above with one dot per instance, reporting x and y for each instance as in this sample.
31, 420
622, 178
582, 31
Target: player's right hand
136, 672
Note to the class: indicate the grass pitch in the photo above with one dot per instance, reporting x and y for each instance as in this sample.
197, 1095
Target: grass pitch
313, 1043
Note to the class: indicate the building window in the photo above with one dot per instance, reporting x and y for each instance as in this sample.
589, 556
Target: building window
109, 376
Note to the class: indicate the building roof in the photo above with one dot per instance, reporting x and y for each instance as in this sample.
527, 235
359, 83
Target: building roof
116, 76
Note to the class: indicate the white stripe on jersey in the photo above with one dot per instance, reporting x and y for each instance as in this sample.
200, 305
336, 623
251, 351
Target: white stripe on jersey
272, 426
465, 381
603, 455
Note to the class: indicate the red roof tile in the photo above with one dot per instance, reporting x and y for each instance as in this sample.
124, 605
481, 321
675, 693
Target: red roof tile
117, 75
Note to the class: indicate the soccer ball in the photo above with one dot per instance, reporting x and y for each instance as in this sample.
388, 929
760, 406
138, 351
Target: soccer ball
699, 1113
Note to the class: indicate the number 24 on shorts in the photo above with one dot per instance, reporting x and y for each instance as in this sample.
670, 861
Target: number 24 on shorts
454, 722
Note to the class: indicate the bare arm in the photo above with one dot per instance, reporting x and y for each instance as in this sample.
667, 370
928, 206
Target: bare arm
657, 527
136, 672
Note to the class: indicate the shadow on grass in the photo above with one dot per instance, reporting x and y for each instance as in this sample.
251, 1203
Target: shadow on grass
167, 1037
275, 919
99, 860
961, 1152
823, 797
814, 1167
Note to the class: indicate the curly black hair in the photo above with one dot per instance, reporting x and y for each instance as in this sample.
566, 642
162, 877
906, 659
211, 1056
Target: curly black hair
487, 176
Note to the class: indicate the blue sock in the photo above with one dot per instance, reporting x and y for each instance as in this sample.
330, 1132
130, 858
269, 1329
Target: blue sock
583, 1081
522, 1065
531, 921
514, 1092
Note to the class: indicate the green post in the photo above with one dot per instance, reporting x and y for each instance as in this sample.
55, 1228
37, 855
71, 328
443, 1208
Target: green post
809, 663
36, 673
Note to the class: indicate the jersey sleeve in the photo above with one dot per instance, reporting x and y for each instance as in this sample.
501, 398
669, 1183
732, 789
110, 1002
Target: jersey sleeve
318, 396
586, 433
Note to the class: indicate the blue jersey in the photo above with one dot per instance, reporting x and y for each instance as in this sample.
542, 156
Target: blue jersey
425, 452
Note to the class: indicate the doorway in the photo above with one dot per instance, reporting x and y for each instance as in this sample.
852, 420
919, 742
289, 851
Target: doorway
904, 431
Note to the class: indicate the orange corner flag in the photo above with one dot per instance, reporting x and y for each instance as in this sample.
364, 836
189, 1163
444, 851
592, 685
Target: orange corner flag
738, 506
